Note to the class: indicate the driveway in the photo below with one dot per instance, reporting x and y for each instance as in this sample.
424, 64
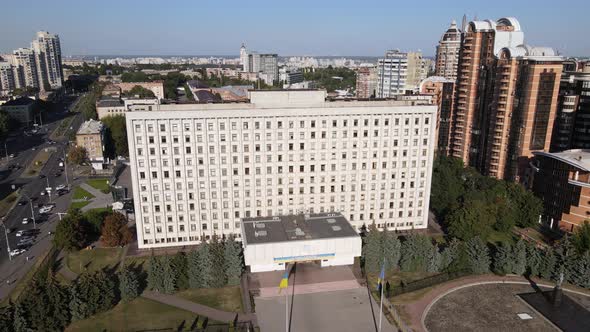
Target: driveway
345, 310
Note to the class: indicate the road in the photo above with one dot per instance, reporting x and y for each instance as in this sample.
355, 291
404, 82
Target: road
22, 146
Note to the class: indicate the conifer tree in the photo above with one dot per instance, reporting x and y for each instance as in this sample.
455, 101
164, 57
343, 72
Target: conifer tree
169, 275
415, 252
548, 263
206, 263
372, 250
503, 260
180, 268
391, 249
580, 271
449, 255
195, 273
234, 262
533, 260
478, 258
21, 322
519, 258
155, 277
128, 283
433, 260
105, 286
57, 302
217, 277
6, 317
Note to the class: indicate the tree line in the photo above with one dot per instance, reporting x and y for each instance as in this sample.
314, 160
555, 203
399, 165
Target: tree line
418, 253
469, 204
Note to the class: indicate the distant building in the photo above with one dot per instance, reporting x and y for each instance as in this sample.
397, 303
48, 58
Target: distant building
157, 87
233, 93
288, 77
416, 71
112, 90
562, 181
20, 109
392, 71
443, 92
447, 53
90, 136
266, 65
27, 74
244, 58
506, 99
110, 106
47, 50
572, 124
366, 82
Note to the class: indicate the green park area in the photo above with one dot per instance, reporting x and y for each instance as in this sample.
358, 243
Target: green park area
227, 298
100, 184
94, 259
80, 193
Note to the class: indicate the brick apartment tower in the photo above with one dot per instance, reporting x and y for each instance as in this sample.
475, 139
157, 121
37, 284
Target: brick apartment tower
447, 53
506, 99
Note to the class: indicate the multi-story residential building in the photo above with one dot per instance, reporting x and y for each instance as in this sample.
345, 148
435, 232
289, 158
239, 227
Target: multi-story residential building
27, 74
198, 169
443, 91
157, 87
366, 82
506, 99
21, 110
90, 136
47, 50
572, 125
562, 181
447, 53
392, 71
417, 70
109, 106
244, 58
7, 81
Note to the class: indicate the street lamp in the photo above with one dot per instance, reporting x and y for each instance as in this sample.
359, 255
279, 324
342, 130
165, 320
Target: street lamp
61, 214
32, 211
7, 243
66, 167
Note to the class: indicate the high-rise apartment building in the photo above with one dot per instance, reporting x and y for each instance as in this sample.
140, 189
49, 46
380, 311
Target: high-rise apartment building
267, 65
506, 98
392, 72
7, 82
417, 70
447, 53
244, 58
47, 50
198, 169
25, 64
366, 82
443, 91
572, 125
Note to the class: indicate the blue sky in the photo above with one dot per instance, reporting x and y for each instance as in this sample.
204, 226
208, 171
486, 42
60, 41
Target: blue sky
369, 27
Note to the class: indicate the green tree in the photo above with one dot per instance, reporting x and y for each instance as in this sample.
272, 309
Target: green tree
450, 255
478, 257
519, 258
94, 220
391, 249
473, 219
128, 283
116, 136
580, 271
106, 286
415, 251
135, 77
527, 206
548, 262
21, 322
217, 277
533, 259
195, 272
57, 304
141, 92
581, 237
447, 185
180, 267
433, 259
80, 307
7, 317
77, 155
169, 275
565, 254
69, 233
206, 265
234, 261
155, 275
372, 250
503, 259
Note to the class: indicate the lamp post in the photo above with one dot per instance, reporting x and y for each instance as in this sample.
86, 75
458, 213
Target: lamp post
32, 211
66, 168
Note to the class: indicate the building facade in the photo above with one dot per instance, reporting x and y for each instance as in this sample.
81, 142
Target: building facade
366, 82
21, 110
198, 169
156, 87
47, 49
562, 181
417, 70
447, 53
506, 99
90, 136
392, 72
572, 125
443, 91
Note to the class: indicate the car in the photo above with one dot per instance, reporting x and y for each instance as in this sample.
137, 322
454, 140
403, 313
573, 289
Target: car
43, 210
11, 155
61, 164
41, 176
60, 187
16, 252
42, 193
25, 221
33, 148
20, 233
25, 242
21, 203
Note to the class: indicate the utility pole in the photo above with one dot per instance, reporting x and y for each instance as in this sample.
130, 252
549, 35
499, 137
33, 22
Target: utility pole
32, 211
66, 168
7, 243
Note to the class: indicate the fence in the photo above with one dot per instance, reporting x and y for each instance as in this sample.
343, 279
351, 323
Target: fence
428, 282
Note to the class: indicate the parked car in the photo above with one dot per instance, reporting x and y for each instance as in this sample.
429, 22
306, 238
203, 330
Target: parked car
25, 221
20, 233
60, 187
42, 193
21, 203
41, 176
17, 252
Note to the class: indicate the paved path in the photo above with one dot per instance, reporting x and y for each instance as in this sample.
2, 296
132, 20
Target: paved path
211, 313
418, 309
100, 199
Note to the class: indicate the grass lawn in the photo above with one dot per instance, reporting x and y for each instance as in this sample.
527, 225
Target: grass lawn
138, 315
37, 164
80, 193
100, 184
499, 237
93, 260
7, 202
227, 298
79, 205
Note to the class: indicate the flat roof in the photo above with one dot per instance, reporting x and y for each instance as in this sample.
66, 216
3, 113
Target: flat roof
298, 227
19, 101
579, 158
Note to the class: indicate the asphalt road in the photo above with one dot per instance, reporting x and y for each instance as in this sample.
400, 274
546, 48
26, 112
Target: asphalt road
22, 146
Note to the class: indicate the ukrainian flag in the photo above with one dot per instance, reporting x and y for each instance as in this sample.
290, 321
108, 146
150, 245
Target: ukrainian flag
285, 281
381, 276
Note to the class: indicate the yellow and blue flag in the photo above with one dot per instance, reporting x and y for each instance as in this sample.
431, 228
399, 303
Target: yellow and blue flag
285, 281
381, 276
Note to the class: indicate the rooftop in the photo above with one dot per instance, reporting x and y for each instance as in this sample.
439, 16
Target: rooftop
90, 127
579, 158
295, 228
19, 102
109, 102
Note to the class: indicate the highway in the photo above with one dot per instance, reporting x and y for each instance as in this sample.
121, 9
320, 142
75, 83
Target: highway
25, 149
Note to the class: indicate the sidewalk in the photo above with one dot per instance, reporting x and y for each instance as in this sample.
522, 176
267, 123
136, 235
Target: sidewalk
100, 200
211, 313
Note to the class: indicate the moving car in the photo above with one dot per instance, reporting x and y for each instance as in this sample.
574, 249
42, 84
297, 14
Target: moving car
25, 221
21, 203
60, 187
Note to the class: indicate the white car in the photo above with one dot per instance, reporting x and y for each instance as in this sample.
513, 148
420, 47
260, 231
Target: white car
25, 221
42, 193
44, 210
60, 187
20, 233
16, 252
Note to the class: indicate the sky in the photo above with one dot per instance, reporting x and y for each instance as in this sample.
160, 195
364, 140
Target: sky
300, 27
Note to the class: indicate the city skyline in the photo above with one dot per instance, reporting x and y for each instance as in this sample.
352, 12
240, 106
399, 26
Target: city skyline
346, 30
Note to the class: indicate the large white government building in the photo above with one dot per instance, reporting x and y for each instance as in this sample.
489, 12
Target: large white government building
198, 169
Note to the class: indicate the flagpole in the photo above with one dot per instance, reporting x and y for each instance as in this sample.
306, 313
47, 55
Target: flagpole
381, 302
286, 311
